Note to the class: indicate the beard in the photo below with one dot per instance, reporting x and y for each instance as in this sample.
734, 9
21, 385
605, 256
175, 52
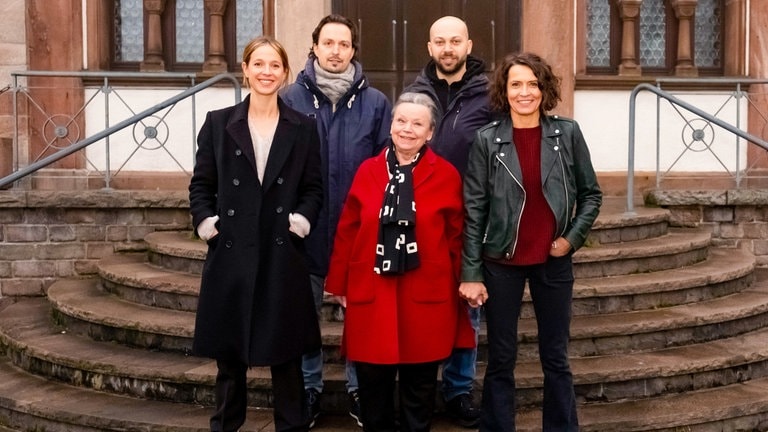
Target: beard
450, 71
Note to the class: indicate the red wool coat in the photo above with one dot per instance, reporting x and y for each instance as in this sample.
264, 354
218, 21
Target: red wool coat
415, 317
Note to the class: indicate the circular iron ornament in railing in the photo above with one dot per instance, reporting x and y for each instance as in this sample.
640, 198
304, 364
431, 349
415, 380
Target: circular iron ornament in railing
60, 127
151, 136
698, 135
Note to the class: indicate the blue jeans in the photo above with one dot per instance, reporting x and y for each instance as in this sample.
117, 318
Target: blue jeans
551, 287
460, 368
312, 364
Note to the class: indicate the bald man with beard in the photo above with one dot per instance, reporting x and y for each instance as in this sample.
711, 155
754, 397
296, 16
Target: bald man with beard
457, 83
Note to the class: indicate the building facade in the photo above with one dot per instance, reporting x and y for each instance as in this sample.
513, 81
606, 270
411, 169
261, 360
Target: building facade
712, 52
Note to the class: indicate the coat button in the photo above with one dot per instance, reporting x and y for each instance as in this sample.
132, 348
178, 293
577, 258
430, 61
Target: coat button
238, 152
236, 182
498, 139
279, 210
228, 244
280, 180
231, 212
279, 241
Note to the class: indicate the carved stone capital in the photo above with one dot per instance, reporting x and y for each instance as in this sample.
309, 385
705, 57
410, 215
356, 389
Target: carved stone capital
154, 6
684, 8
629, 9
216, 7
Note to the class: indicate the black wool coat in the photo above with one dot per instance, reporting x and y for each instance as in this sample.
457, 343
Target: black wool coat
255, 301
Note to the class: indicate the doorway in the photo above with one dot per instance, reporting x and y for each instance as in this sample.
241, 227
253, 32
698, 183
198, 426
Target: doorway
394, 34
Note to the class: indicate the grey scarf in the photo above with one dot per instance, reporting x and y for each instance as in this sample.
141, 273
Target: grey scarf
334, 85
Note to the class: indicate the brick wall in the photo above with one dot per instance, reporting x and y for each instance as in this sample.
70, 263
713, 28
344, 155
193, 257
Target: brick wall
736, 218
47, 235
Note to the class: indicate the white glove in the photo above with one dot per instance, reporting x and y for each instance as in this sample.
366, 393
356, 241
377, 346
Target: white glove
299, 224
207, 228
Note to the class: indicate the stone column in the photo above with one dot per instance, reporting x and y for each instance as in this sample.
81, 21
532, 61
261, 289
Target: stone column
215, 61
684, 12
629, 11
153, 46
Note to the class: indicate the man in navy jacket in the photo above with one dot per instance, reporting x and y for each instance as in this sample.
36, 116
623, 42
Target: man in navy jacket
353, 122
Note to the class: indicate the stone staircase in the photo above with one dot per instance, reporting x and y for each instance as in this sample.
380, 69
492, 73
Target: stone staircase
669, 334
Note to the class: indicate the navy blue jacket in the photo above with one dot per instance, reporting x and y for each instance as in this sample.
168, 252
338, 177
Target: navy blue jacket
356, 130
467, 111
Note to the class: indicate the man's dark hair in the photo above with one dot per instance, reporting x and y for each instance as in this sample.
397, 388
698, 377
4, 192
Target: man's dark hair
339, 19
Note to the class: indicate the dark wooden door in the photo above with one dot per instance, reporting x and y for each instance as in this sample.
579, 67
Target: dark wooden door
394, 34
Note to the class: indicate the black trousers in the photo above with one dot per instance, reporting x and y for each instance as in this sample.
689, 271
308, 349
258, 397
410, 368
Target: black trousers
551, 287
290, 411
417, 387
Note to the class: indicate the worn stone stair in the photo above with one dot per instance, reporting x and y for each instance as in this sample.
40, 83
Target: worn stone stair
669, 334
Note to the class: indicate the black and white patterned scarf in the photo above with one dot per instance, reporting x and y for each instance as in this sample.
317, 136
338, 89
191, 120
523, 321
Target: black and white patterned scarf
396, 249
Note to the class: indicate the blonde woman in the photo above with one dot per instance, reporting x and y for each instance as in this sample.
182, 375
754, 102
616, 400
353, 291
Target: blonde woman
254, 195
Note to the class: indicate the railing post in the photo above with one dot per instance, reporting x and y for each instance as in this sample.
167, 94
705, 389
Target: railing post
108, 173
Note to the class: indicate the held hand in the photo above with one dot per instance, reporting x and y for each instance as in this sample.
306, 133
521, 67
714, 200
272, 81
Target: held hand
474, 293
560, 247
342, 300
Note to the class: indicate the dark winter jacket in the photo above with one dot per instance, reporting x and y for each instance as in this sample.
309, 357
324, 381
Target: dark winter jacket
255, 302
467, 111
356, 130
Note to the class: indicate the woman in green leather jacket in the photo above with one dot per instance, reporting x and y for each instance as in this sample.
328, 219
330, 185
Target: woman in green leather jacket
531, 197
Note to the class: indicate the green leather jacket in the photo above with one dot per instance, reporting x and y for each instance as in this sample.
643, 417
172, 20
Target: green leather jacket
494, 196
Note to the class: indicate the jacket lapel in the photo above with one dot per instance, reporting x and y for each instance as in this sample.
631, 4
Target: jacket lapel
238, 130
282, 145
550, 147
505, 150
424, 169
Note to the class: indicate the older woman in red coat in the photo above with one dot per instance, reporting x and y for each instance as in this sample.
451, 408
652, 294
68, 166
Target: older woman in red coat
395, 266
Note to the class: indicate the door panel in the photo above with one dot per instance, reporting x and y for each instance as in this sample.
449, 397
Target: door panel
491, 24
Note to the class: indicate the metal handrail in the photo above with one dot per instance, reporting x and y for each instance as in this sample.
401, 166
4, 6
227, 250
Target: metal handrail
42, 163
674, 100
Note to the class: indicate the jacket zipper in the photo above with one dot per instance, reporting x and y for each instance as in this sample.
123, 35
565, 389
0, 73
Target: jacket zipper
565, 188
510, 252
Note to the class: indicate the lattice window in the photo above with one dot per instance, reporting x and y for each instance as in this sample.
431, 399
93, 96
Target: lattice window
185, 28
129, 31
708, 34
654, 36
598, 33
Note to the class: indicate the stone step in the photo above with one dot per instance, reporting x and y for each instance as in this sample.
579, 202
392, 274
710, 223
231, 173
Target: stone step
725, 271
29, 338
615, 225
28, 402
678, 248
84, 308
619, 244
133, 278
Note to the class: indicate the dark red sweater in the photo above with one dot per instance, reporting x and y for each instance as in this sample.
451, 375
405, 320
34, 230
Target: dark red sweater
537, 223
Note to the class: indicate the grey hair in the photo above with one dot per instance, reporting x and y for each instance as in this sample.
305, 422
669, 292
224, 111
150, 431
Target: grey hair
418, 99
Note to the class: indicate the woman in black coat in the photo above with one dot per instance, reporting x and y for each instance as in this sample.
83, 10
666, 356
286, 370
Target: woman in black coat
255, 193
